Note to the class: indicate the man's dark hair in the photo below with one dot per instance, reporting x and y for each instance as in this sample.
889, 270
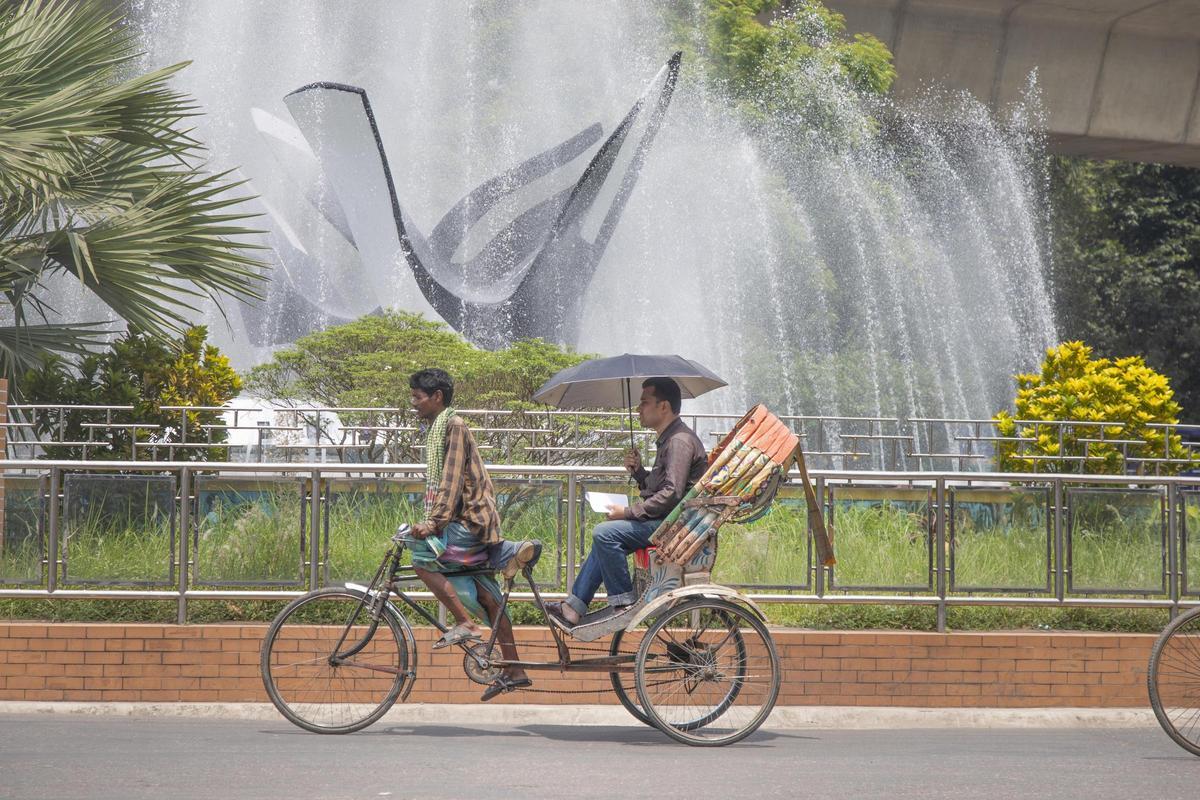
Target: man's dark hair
665, 389
433, 380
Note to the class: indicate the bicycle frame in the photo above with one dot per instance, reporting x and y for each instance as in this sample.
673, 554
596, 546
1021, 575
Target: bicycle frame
384, 588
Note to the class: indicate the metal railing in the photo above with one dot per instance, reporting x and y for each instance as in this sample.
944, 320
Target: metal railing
935, 507
390, 434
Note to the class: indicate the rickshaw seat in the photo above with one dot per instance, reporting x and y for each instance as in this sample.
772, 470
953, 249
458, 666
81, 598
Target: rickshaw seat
642, 557
744, 475
745, 472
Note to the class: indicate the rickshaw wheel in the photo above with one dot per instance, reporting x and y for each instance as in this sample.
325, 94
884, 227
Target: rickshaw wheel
308, 682
707, 672
627, 695
1174, 680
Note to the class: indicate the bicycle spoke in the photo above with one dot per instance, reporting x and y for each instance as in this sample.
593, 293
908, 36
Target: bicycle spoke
1175, 681
703, 683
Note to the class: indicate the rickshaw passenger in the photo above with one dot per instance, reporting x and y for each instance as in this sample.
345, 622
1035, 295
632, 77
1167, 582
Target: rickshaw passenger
680, 462
461, 528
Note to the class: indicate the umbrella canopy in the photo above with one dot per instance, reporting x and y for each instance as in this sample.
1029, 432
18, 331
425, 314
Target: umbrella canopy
609, 382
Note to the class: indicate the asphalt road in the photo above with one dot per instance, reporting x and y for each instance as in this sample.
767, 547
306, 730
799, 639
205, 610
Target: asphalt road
67, 756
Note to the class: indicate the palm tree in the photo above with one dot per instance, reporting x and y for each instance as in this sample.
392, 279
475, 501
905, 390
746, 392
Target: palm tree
100, 180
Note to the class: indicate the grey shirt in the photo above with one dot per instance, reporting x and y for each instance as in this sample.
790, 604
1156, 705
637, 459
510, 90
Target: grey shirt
680, 462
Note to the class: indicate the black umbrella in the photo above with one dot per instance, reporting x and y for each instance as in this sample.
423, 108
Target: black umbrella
606, 382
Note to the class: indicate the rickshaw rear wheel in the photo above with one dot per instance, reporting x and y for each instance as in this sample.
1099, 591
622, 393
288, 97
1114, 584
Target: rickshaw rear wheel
626, 694
707, 672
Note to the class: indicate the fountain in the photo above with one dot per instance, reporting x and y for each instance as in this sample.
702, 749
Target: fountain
903, 276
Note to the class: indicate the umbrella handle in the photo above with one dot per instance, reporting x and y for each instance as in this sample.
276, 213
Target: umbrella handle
629, 411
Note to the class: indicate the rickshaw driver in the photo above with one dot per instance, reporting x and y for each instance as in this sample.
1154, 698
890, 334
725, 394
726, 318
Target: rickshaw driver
461, 528
680, 462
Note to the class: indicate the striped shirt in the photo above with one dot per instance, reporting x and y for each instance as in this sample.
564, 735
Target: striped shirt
465, 494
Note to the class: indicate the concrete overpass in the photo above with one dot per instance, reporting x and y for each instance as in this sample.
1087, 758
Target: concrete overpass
1120, 78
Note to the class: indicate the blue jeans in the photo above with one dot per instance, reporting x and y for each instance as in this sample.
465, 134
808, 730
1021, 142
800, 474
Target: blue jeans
612, 542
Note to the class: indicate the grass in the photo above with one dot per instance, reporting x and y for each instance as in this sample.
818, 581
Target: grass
1191, 524
250, 531
1116, 540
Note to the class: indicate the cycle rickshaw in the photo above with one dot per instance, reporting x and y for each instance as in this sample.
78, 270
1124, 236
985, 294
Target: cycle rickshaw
692, 658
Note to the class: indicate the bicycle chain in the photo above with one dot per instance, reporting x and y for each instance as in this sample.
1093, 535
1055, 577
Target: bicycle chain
572, 648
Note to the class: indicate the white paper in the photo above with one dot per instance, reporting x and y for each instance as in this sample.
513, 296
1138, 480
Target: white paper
600, 501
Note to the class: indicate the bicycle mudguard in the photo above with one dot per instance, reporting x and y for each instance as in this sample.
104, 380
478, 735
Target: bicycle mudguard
711, 590
391, 608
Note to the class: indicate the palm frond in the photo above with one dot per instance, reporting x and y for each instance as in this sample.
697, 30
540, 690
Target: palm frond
22, 346
100, 180
60, 64
149, 262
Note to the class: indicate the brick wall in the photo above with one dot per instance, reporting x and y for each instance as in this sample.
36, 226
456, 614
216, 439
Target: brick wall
219, 663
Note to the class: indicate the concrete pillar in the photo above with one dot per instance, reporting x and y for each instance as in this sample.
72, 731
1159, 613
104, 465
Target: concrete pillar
1118, 78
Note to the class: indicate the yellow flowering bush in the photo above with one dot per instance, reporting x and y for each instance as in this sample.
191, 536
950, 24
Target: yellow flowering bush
1074, 387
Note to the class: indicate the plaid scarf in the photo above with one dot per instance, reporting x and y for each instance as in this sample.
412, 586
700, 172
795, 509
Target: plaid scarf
435, 456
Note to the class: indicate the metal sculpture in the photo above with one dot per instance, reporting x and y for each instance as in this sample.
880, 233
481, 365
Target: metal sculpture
530, 278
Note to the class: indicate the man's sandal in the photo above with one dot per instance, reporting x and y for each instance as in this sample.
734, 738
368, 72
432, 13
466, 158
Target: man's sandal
554, 613
503, 685
456, 635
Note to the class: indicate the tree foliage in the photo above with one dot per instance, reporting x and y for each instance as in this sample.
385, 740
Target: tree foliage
760, 45
1074, 387
366, 364
101, 182
774, 59
1127, 264
140, 370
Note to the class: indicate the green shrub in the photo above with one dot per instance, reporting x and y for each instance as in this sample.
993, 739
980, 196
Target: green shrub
144, 371
1074, 387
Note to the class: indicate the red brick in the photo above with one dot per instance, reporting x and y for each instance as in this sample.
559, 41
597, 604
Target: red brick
66, 631
164, 644
106, 631
28, 631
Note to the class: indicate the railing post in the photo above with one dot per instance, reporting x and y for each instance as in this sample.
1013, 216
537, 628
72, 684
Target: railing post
314, 532
572, 532
1173, 572
1060, 583
819, 568
940, 543
185, 534
52, 546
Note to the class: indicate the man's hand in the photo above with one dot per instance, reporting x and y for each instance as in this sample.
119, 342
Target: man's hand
422, 530
633, 460
616, 512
